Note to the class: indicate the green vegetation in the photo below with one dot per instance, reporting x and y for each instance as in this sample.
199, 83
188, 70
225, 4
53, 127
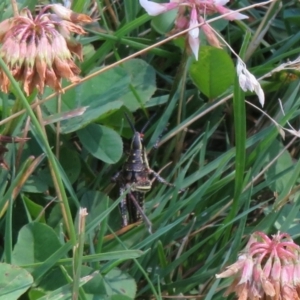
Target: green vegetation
237, 162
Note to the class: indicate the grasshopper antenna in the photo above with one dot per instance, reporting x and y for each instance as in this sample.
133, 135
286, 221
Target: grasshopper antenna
148, 123
130, 123
145, 126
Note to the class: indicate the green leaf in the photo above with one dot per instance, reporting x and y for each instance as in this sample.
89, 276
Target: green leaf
95, 288
34, 209
70, 162
118, 282
65, 292
115, 283
14, 281
142, 84
218, 25
99, 95
78, 5
35, 184
102, 142
95, 203
292, 16
282, 163
214, 72
36, 242
163, 23
120, 297
35, 294
131, 9
131, 85
118, 122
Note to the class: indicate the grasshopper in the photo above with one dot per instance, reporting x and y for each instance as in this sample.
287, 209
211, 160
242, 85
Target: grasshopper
135, 177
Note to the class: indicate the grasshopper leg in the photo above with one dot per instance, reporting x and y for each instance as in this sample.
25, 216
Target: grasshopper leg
116, 177
160, 179
141, 211
123, 208
135, 214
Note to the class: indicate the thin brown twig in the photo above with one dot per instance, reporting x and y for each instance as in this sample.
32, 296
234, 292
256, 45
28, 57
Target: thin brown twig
112, 13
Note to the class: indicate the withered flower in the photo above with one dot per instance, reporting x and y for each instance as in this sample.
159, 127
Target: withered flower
267, 269
39, 50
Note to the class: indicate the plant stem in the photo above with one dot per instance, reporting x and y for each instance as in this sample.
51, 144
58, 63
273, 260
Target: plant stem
53, 174
78, 253
182, 73
58, 127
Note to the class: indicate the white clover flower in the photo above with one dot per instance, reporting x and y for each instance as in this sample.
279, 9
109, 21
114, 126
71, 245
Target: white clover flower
248, 82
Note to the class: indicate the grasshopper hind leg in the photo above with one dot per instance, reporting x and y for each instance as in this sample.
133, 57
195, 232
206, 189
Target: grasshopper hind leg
134, 212
160, 179
138, 208
123, 208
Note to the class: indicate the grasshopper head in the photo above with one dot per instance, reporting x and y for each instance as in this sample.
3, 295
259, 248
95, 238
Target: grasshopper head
137, 141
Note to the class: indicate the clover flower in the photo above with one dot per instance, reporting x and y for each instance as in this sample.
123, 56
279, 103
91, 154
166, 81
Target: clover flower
190, 14
39, 50
248, 82
268, 268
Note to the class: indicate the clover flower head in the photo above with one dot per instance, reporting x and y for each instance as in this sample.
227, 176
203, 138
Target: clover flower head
190, 14
248, 82
268, 268
39, 50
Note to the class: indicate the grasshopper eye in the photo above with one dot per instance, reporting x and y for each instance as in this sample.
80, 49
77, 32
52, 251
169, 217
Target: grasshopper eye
142, 137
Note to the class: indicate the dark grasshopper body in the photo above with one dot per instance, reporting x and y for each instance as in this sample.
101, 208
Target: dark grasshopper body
135, 175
